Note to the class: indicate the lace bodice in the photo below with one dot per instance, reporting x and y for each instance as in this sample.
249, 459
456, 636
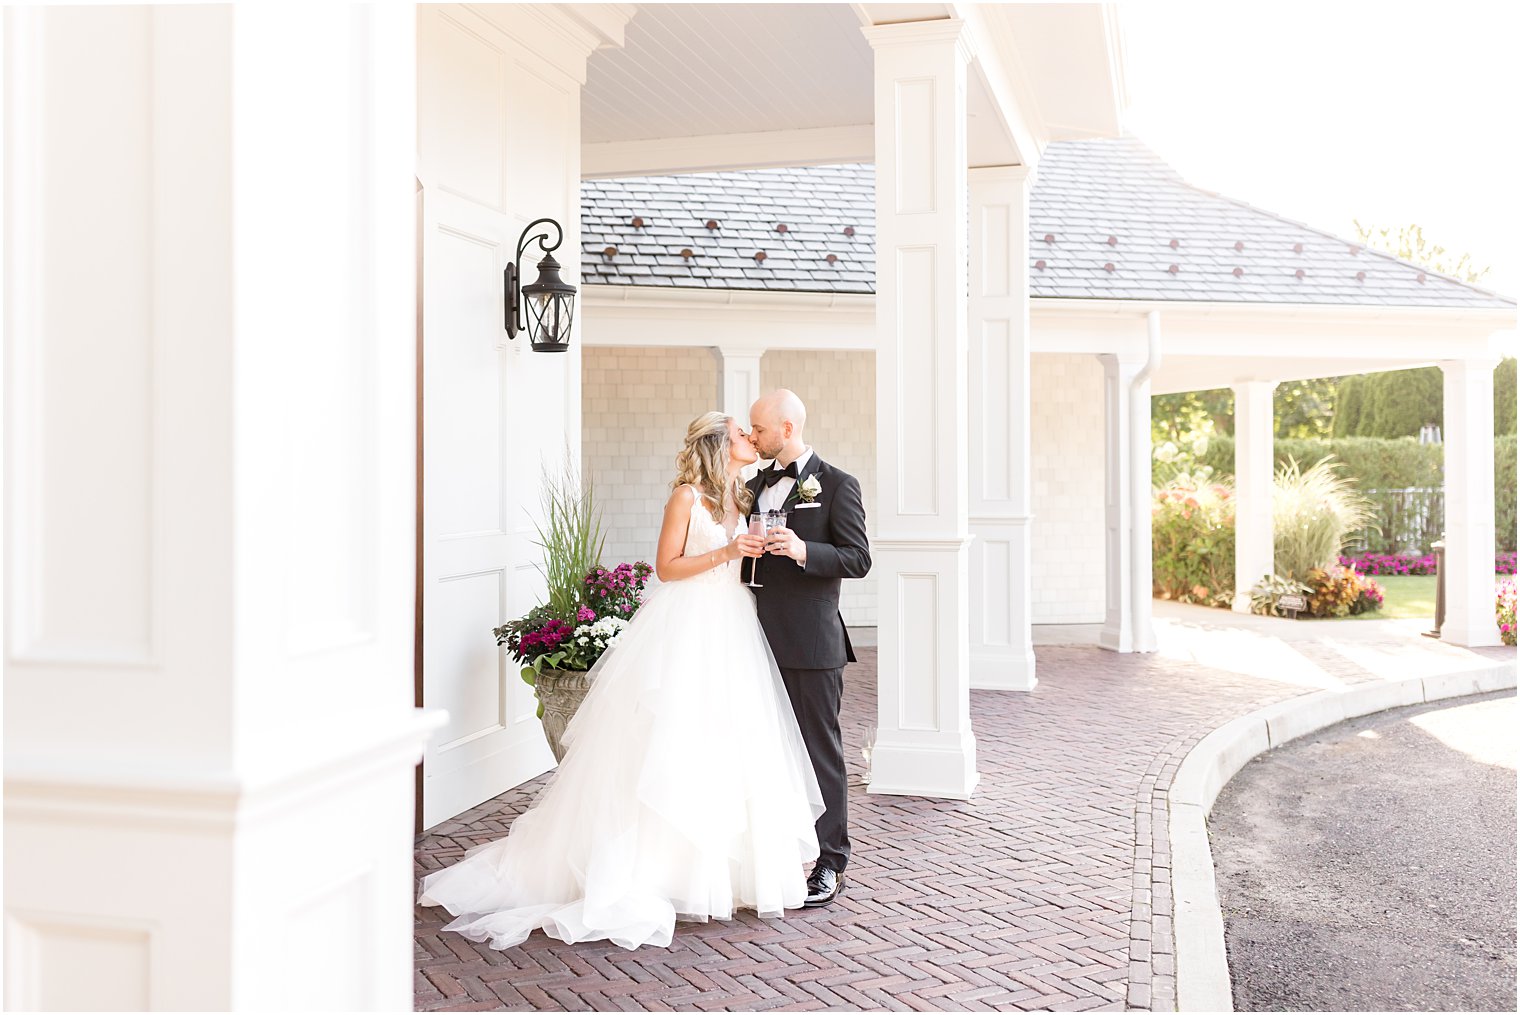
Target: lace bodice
703, 535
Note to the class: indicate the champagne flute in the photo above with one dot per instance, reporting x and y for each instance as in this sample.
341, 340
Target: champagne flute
759, 525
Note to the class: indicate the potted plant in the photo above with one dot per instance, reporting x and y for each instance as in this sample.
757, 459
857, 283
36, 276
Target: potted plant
588, 607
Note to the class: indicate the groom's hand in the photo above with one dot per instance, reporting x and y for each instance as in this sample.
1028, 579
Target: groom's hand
786, 543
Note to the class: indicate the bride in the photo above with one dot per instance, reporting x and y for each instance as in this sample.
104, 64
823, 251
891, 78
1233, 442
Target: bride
685, 791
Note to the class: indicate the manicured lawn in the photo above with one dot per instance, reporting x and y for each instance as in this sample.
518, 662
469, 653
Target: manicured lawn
1404, 596
1408, 596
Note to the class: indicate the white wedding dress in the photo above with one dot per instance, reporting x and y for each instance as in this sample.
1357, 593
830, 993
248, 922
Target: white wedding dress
685, 791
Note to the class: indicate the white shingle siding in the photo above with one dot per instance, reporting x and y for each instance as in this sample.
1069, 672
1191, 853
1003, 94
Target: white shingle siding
636, 406
1066, 441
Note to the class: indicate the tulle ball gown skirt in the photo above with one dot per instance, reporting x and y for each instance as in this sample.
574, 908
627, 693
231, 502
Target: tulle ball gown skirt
685, 791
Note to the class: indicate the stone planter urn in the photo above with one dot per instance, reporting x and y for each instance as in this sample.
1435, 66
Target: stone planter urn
561, 693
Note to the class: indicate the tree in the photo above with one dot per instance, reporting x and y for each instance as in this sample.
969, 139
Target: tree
1304, 408
1349, 397
1408, 243
1181, 417
1401, 402
1504, 397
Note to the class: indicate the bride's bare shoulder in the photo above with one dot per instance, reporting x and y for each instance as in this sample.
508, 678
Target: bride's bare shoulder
682, 498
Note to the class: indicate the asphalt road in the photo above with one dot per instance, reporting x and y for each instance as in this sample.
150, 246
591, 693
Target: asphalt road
1371, 866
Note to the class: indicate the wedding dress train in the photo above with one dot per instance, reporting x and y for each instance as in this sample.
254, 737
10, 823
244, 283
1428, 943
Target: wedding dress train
685, 791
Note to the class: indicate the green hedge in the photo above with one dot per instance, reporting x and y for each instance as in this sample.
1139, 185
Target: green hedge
1378, 464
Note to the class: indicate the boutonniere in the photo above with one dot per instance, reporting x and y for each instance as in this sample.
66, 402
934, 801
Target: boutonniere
808, 491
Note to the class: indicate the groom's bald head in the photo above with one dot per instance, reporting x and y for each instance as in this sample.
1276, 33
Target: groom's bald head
776, 422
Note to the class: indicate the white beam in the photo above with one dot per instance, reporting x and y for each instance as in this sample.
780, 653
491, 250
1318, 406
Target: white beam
1002, 647
1253, 488
711, 153
1468, 422
924, 744
690, 318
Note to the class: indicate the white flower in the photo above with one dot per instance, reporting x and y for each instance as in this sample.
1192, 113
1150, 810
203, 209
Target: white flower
810, 488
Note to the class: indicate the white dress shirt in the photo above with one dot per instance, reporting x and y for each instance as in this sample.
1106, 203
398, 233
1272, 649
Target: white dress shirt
772, 497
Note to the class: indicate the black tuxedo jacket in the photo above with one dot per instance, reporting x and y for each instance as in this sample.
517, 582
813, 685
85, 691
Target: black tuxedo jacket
799, 605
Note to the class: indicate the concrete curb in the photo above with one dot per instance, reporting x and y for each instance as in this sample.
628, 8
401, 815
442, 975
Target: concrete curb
1203, 974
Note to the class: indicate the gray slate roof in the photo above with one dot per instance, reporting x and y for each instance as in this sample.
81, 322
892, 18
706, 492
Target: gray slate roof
1085, 192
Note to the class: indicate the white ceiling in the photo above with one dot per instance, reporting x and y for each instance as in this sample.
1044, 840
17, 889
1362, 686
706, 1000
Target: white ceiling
699, 69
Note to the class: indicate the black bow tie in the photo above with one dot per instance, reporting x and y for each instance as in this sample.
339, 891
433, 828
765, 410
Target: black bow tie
773, 475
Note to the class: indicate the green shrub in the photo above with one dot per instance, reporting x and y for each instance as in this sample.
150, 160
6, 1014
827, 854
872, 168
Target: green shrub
1193, 541
1313, 510
1341, 592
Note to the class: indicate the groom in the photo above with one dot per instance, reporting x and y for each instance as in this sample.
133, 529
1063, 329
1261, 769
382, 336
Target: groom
823, 542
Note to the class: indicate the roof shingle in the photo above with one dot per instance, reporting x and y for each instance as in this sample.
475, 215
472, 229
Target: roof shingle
1095, 203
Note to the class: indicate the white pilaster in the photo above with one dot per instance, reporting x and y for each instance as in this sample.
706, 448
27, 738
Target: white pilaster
1127, 625
210, 746
1468, 416
738, 380
1253, 488
924, 744
1002, 646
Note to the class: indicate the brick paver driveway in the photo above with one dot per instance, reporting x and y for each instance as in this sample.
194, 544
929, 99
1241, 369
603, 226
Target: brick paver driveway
1049, 889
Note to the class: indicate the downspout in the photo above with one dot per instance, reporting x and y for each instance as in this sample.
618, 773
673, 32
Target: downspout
1143, 639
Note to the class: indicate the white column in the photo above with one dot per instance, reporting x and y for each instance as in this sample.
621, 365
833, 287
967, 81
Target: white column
924, 744
1253, 488
1119, 477
209, 740
1468, 424
1141, 496
738, 380
1002, 646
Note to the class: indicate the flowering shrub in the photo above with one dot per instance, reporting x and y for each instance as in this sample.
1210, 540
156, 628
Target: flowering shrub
1193, 541
1408, 563
1370, 599
1504, 611
616, 593
1391, 563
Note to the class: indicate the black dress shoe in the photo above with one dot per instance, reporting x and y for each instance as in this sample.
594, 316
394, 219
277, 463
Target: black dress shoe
824, 886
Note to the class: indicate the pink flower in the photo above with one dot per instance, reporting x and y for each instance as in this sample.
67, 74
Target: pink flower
585, 615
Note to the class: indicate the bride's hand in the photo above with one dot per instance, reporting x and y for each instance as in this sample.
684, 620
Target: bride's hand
746, 545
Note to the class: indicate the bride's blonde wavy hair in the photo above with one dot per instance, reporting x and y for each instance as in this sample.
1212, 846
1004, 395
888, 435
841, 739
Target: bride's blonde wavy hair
703, 463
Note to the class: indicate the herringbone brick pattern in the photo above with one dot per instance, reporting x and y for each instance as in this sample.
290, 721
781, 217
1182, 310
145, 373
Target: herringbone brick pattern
1050, 889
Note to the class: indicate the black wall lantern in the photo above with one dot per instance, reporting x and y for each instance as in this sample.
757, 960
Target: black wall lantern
550, 300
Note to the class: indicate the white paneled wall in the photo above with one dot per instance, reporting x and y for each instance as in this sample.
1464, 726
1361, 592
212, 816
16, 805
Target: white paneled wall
636, 405
839, 390
1066, 409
